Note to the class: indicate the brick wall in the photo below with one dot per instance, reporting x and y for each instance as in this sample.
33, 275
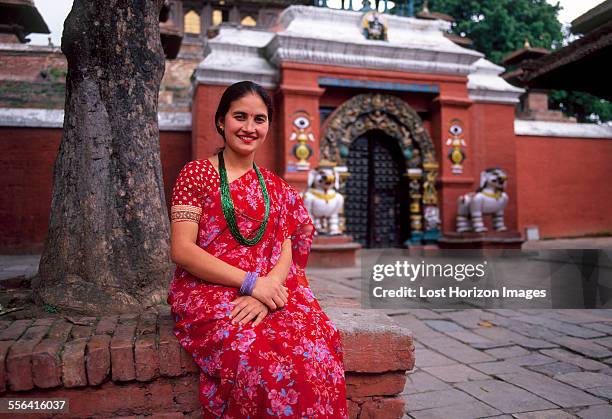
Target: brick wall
133, 365
27, 156
563, 185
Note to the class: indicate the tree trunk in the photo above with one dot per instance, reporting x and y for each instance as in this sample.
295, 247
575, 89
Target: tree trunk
108, 243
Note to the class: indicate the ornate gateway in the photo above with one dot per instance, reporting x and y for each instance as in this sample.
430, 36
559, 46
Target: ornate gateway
392, 170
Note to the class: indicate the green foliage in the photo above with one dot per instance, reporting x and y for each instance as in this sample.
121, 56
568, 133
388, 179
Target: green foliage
499, 27
585, 107
50, 308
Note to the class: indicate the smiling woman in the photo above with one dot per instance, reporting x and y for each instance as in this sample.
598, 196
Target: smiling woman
241, 238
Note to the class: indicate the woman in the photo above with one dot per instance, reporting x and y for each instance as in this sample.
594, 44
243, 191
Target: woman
240, 239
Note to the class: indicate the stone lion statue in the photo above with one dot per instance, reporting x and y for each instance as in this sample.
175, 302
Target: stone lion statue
322, 201
490, 198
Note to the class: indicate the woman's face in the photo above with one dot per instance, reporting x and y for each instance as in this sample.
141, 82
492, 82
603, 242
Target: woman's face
246, 124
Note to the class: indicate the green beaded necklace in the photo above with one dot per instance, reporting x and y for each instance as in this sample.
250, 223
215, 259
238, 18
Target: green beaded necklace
228, 206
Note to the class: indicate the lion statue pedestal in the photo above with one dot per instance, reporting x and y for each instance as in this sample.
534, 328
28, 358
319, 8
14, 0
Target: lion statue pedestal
330, 248
489, 199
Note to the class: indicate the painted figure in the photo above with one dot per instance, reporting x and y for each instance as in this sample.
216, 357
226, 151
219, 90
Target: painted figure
490, 198
323, 202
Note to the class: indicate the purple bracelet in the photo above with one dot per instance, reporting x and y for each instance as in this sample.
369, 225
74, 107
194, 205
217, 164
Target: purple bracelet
249, 283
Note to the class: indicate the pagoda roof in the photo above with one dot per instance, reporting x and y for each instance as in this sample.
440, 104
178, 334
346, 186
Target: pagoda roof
24, 14
524, 54
582, 65
593, 19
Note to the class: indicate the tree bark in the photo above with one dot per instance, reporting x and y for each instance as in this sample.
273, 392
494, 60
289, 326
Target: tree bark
108, 244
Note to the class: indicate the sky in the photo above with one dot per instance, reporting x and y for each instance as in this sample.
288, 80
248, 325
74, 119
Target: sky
54, 12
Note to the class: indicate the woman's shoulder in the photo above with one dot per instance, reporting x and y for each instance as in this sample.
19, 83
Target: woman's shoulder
199, 169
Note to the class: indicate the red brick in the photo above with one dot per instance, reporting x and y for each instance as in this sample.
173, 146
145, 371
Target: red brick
122, 353
60, 330
47, 321
46, 364
162, 396
385, 384
169, 350
146, 358
353, 409
362, 351
15, 330
125, 331
147, 323
109, 400
170, 415
98, 361
73, 361
186, 393
4, 348
129, 318
187, 362
384, 408
80, 331
35, 333
106, 325
19, 359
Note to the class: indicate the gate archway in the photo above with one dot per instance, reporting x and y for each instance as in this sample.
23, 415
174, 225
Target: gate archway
378, 127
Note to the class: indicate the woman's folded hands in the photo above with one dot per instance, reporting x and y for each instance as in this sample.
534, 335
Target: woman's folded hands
271, 291
268, 294
248, 309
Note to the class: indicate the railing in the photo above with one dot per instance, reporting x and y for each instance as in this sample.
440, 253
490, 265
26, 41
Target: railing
398, 7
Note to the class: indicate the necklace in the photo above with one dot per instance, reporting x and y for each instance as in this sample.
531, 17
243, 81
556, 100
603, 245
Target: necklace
228, 206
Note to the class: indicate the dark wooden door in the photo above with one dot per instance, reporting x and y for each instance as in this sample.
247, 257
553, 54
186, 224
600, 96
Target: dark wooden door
373, 204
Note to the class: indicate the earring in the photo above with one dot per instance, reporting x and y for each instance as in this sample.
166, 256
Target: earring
221, 127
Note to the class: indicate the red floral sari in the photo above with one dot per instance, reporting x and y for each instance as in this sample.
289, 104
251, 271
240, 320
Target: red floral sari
290, 365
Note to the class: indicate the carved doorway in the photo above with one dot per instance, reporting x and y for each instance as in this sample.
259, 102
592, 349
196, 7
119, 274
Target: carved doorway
390, 191
373, 208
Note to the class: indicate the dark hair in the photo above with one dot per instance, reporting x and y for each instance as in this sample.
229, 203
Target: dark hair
237, 91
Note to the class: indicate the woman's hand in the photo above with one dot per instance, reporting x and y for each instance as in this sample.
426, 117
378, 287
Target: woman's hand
248, 308
271, 291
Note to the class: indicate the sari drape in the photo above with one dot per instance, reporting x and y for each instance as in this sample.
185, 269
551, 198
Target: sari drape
290, 365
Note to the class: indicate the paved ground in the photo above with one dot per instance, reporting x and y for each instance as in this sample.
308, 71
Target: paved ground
483, 363
500, 363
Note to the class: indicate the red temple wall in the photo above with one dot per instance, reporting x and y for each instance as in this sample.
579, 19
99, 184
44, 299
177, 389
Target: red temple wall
492, 145
27, 156
564, 185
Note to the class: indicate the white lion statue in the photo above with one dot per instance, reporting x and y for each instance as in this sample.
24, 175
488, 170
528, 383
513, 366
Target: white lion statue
490, 198
322, 201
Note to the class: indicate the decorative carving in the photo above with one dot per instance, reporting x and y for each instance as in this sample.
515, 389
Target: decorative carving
395, 118
322, 201
457, 153
374, 26
302, 134
490, 198
387, 113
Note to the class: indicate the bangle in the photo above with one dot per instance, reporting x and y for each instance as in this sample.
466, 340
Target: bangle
249, 283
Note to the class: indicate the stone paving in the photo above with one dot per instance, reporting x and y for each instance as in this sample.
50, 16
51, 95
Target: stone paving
502, 363
482, 363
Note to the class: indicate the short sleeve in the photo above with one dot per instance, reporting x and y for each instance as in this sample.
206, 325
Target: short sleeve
297, 225
188, 193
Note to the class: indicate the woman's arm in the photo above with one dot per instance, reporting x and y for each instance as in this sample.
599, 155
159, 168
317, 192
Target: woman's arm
281, 269
186, 253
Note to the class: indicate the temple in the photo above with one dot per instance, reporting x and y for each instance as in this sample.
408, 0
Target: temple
406, 115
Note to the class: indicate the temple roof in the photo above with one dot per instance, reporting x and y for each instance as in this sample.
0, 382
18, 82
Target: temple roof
21, 14
582, 65
593, 19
